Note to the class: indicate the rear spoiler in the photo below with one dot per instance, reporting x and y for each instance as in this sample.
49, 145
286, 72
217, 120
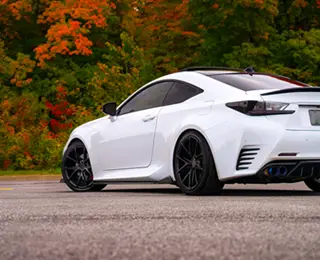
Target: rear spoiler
292, 90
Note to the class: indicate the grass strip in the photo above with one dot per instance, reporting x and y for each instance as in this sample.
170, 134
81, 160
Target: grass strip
30, 172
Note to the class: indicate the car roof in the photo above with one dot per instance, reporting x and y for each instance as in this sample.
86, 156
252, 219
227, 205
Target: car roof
215, 72
224, 85
212, 70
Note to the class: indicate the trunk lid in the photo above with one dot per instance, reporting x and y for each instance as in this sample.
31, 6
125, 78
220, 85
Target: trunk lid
304, 100
294, 95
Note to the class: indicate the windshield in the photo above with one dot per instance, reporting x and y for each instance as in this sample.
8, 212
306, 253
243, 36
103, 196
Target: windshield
246, 82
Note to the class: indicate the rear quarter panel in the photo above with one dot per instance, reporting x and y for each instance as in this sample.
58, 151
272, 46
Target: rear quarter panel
173, 121
225, 130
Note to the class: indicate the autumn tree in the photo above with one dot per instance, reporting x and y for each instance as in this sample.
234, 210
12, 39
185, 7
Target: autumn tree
70, 22
166, 30
298, 15
229, 23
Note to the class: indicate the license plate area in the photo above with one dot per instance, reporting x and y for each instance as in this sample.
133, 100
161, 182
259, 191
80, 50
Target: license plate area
314, 115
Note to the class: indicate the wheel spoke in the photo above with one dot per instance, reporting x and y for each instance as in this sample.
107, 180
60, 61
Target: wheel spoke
85, 178
182, 167
185, 177
86, 156
195, 176
189, 182
71, 168
82, 155
182, 145
70, 158
75, 151
73, 173
199, 168
87, 171
198, 156
195, 149
84, 152
192, 178
79, 178
184, 160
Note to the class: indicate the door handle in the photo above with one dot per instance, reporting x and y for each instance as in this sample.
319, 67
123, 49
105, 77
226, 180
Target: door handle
148, 118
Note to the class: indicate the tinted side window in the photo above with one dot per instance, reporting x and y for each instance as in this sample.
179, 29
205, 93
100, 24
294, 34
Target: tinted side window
248, 82
180, 92
150, 97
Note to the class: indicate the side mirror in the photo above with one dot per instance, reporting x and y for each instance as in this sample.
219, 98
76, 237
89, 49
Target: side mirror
110, 108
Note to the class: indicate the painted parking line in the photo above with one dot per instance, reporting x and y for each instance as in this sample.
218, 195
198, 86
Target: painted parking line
6, 188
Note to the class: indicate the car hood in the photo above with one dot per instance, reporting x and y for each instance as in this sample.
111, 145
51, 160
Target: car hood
90, 124
84, 129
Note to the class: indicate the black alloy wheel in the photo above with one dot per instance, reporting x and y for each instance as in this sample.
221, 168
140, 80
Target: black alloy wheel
76, 169
313, 184
194, 167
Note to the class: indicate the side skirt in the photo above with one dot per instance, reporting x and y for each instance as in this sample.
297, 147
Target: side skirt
167, 180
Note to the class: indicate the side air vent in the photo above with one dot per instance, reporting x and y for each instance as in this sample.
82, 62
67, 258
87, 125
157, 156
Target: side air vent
246, 156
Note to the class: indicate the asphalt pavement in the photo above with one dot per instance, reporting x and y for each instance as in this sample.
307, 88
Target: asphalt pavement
44, 220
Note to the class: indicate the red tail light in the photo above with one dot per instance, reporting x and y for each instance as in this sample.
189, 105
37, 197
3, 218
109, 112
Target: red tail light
258, 108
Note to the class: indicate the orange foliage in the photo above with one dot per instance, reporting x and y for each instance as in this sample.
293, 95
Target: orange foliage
259, 2
168, 24
301, 3
70, 21
17, 8
11, 10
170, 20
215, 6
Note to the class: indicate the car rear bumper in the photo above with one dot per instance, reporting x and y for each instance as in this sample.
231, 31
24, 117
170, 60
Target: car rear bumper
250, 149
282, 171
294, 157
305, 143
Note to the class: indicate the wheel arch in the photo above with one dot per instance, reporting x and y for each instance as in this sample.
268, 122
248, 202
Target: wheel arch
76, 139
89, 185
179, 136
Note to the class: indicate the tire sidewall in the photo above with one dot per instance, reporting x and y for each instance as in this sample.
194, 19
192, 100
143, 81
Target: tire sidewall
207, 160
64, 174
313, 184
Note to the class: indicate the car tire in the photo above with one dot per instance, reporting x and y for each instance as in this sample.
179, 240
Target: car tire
313, 184
76, 169
194, 166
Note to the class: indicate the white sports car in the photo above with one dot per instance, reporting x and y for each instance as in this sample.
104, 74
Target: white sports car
199, 129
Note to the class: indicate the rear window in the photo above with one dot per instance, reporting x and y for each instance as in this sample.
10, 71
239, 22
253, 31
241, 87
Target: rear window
248, 82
